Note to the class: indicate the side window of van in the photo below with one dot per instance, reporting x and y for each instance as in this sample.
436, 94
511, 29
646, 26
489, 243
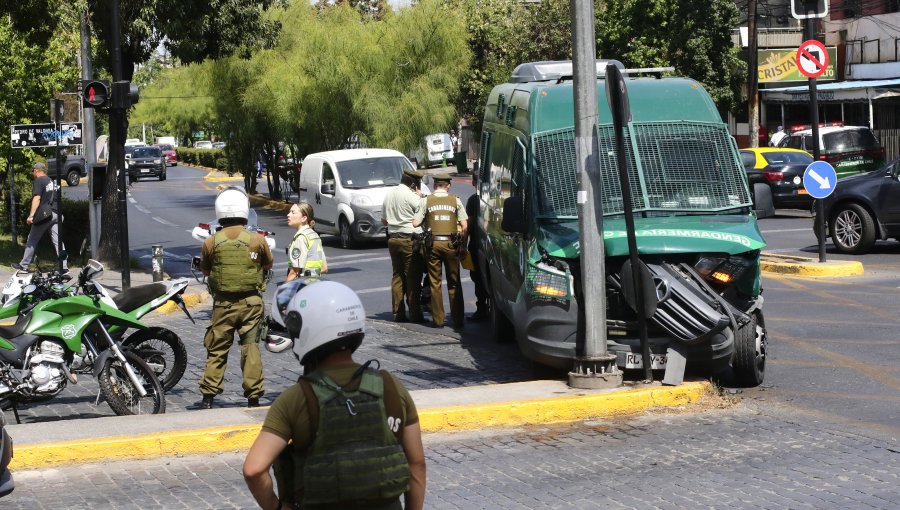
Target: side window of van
517, 177
327, 174
485, 164
499, 173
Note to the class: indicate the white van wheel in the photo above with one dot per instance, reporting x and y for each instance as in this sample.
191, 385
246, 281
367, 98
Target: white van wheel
347, 240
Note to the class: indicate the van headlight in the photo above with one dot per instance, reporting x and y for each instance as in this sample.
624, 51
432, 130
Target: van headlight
360, 201
723, 269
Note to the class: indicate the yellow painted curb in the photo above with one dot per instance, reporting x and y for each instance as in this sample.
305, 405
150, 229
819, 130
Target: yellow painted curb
221, 179
802, 266
439, 419
188, 442
191, 299
268, 203
559, 409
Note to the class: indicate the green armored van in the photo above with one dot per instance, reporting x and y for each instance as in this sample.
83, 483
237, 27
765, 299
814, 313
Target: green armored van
693, 213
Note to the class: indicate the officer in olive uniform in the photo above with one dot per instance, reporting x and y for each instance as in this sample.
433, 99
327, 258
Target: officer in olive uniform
446, 217
400, 207
234, 260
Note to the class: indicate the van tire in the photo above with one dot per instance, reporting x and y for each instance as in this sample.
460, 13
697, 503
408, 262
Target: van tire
346, 234
750, 345
501, 328
762, 201
73, 178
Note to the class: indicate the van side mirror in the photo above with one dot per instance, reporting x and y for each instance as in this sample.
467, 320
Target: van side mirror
514, 215
328, 188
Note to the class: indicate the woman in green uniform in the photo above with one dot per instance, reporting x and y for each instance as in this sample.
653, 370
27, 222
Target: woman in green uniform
305, 252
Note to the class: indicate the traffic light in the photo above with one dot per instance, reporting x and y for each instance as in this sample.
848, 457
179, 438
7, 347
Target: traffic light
94, 93
803, 9
124, 94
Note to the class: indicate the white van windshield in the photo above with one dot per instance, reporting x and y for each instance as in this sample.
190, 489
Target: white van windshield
372, 172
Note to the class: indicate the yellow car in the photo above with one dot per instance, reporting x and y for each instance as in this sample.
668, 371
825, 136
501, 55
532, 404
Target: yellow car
775, 177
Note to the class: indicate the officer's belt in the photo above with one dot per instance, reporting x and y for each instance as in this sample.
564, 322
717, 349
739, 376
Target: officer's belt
235, 296
443, 238
402, 235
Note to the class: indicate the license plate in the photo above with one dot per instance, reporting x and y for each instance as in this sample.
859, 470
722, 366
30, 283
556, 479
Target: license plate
657, 361
145, 170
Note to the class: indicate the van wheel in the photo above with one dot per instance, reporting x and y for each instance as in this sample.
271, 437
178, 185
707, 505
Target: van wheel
73, 178
347, 241
750, 349
762, 201
501, 329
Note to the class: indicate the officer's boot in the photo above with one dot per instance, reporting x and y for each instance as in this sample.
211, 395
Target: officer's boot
207, 402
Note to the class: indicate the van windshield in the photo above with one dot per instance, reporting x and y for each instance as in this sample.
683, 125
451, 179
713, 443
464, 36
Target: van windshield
372, 172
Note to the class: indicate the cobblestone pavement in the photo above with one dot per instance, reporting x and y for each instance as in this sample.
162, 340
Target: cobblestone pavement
742, 457
421, 360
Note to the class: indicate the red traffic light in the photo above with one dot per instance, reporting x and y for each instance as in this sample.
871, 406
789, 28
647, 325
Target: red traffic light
95, 93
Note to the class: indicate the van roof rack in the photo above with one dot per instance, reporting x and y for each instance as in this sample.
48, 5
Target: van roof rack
553, 70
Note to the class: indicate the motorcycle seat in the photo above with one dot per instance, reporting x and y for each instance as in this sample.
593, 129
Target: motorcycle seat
17, 329
136, 296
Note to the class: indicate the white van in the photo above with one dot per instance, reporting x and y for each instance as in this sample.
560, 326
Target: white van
438, 148
347, 188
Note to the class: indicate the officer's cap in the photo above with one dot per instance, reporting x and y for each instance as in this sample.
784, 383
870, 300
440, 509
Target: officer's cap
442, 177
415, 174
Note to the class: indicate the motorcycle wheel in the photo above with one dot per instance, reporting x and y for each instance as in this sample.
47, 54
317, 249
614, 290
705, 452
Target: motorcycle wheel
121, 394
163, 351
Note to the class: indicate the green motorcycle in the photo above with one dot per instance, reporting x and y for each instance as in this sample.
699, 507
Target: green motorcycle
46, 347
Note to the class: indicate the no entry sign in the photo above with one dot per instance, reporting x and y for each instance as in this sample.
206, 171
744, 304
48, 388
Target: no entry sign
812, 58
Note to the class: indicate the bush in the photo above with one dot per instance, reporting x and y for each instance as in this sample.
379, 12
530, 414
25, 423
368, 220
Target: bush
209, 158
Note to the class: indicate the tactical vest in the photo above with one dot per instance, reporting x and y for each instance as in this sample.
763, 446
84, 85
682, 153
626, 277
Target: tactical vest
355, 459
233, 269
440, 214
315, 256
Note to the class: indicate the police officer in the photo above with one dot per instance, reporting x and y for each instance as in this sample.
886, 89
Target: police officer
305, 253
346, 435
400, 207
446, 217
234, 260
481, 294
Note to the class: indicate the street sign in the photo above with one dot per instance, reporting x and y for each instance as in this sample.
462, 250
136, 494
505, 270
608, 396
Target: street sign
819, 179
812, 58
44, 135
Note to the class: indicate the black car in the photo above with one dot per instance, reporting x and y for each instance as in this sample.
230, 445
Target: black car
147, 161
6, 451
775, 177
864, 208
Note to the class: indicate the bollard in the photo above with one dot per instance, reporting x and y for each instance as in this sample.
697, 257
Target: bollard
157, 261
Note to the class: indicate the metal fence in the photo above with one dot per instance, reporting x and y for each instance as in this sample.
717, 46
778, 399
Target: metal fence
890, 140
672, 167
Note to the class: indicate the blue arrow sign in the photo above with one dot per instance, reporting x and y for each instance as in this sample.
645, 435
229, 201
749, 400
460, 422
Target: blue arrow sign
819, 179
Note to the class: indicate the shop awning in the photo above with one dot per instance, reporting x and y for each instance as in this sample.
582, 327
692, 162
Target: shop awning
861, 91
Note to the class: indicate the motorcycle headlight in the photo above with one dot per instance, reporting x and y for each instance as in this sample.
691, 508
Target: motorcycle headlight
723, 269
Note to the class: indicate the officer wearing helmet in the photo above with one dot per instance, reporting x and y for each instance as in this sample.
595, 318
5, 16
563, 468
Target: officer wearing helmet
346, 435
234, 260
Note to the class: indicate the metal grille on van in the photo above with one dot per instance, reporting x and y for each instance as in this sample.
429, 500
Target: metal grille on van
684, 167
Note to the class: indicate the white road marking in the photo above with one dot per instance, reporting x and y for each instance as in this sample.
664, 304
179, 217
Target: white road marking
164, 222
341, 263
387, 289
354, 256
132, 200
141, 208
170, 256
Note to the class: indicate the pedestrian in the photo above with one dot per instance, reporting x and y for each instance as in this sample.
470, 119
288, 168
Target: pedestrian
445, 217
777, 137
481, 295
305, 252
400, 207
234, 260
346, 435
42, 217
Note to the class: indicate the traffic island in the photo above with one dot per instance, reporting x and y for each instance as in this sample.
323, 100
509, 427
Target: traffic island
47, 444
803, 266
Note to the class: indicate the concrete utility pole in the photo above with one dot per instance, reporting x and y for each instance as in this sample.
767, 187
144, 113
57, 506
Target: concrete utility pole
89, 134
57, 105
594, 367
117, 144
752, 75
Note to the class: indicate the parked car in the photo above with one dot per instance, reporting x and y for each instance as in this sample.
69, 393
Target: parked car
74, 169
6, 451
348, 188
849, 149
203, 144
169, 153
145, 161
864, 208
218, 145
775, 177
133, 141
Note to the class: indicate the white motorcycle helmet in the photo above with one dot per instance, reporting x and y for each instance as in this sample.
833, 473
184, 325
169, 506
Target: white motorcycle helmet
232, 202
278, 339
325, 313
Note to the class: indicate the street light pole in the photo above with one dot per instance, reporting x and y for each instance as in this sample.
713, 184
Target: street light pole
117, 143
88, 131
594, 367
